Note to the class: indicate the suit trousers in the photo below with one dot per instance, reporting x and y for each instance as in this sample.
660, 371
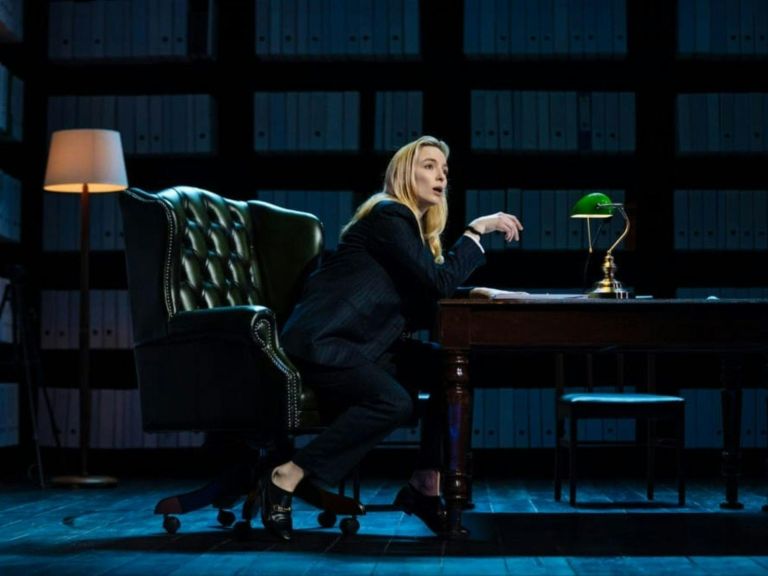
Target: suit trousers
368, 402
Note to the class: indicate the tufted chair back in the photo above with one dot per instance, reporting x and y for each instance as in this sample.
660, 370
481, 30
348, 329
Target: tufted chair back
199, 250
210, 281
217, 265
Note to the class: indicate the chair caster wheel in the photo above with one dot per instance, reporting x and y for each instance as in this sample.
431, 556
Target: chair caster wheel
349, 526
226, 517
242, 530
171, 524
326, 519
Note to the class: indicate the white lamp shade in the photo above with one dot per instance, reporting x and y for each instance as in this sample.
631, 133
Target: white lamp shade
88, 156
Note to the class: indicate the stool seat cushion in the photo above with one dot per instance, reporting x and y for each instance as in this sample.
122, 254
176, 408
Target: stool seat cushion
619, 398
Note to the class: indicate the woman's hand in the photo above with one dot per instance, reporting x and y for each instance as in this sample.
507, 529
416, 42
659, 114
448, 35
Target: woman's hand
507, 224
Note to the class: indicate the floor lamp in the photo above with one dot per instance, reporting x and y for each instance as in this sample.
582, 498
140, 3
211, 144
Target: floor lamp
85, 162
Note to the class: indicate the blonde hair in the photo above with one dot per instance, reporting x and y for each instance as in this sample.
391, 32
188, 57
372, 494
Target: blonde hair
400, 186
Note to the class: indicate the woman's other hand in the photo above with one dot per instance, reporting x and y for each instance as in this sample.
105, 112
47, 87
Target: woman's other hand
507, 224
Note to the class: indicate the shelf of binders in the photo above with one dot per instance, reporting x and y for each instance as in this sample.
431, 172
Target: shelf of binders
9, 414
11, 138
156, 124
111, 327
733, 29
564, 29
10, 209
148, 30
514, 121
722, 123
553, 121
11, 134
721, 220
116, 412
6, 318
115, 421
331, 121
11, 105
337, 29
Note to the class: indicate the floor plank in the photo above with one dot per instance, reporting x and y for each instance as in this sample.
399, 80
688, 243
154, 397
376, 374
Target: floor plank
517, 528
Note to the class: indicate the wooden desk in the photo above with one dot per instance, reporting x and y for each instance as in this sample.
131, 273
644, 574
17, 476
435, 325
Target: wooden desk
730, 328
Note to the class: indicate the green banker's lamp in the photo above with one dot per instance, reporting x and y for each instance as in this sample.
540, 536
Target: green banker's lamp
599, 205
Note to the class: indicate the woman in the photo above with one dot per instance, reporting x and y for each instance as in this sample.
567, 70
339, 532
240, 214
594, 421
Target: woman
344, 334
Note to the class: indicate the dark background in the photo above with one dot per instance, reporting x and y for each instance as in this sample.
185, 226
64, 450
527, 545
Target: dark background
652, 70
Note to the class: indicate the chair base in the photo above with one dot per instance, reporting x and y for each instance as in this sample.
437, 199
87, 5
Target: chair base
328, 501
224, 492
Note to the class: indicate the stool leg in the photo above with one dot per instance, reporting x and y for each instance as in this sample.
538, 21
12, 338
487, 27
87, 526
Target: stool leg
650, 457
559, 433
574, 439
680, 435
559, 424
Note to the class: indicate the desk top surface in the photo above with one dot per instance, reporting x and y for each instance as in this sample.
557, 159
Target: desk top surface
726, 324
558, 300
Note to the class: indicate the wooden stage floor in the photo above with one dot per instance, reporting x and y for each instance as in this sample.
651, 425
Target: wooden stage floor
516, 527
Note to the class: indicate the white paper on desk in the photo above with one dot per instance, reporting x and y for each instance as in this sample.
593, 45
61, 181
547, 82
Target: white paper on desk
496, 294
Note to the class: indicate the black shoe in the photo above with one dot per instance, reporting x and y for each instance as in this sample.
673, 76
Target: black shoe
276, 509
428, 508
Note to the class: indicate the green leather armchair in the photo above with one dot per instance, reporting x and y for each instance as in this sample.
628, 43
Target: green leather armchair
210, 279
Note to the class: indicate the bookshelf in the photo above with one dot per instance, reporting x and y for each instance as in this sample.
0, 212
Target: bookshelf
12, 74
302, 101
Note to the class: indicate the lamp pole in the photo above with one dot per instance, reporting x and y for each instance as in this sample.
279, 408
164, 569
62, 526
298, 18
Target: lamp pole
84, 478
85, 331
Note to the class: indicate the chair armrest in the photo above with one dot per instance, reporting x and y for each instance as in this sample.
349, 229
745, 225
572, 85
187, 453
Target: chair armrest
219, 369
230, 322
234, 322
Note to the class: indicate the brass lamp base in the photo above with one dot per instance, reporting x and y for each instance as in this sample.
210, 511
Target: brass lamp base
87, 481
616, 291
609, 287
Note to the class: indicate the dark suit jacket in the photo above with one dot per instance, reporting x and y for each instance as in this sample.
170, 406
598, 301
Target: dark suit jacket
382, 281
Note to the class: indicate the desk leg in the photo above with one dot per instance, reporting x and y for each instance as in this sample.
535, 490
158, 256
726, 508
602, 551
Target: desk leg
731, 373
458, 400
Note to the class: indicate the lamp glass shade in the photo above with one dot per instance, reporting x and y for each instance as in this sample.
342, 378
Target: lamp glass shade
593, 205
85, 156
